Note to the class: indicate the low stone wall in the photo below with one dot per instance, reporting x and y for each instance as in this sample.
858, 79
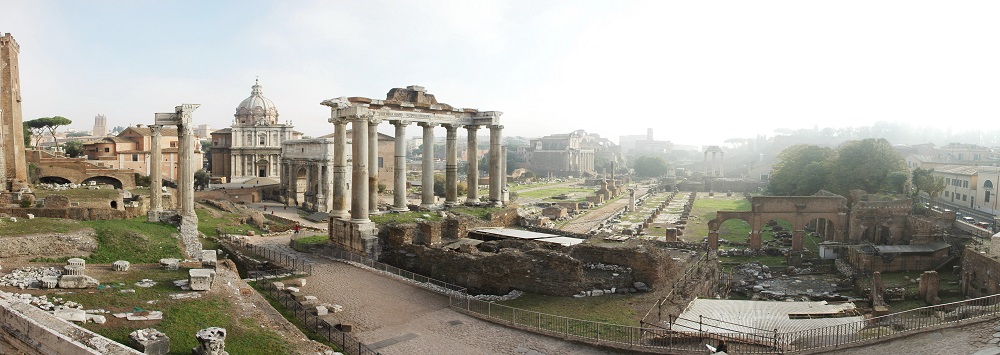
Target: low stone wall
25, 329
77, 213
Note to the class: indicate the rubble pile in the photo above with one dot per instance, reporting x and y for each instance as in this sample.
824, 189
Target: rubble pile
28, 277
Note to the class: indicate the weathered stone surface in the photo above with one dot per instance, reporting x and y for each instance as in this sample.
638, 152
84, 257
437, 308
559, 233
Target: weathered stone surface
49, 244
121, 265
209, 258
170, 263
77, 281
200, 279
73, 270
149, 341
71, 314
50, 281
98, 319
212, 341
77, 261
321, 311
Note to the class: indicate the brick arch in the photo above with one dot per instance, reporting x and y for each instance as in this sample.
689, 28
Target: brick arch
104, 180
54, 180
799, 210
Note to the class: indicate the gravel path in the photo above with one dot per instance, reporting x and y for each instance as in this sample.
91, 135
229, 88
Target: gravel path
970, 339
588, 221
395, 317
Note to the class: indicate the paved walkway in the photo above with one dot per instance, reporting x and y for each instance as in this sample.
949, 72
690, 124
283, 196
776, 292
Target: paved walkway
395, 317
586, 222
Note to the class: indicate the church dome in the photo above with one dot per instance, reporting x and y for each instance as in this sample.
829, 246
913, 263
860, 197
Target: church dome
256, 110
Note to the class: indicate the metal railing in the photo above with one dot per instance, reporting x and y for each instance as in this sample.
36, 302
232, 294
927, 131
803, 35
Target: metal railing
906, 322
313, 322
276, 257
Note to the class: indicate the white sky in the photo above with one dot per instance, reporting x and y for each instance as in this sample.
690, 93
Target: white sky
697, 72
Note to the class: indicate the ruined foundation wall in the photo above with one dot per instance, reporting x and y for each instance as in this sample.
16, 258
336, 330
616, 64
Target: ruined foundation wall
29, 330
980, 274
77, 213
649, 264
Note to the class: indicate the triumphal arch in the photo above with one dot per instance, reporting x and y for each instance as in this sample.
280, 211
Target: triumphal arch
798, 210
355, 231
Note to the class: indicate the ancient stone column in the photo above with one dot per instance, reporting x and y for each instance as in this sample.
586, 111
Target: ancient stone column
339, 168
713, 239
495, 174
155, 177
359, 169
427, 168
472, 167
504, 194
399, 175
373, 164
185, 143
451, 166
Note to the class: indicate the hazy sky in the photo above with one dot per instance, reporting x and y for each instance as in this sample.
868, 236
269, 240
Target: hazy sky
697, 72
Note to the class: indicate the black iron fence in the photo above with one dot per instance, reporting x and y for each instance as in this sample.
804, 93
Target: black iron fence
276, 257
314, 323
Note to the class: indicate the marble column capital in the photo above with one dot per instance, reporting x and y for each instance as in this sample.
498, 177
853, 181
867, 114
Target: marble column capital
472, 127
338, 120
450, 127
427, 124
403, 123
496, 126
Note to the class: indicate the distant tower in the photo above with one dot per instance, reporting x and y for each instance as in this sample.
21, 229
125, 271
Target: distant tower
649, 134
100, 126
11, 134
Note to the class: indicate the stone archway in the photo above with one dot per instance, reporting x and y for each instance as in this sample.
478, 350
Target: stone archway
797, 210
104, 180
301, 184
261, 168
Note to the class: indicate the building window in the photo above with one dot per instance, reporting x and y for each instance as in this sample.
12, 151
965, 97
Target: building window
106, 149
987, 199
965, 183
380, 162
173, 144
947, 194
947, 181
965, 197
135, 157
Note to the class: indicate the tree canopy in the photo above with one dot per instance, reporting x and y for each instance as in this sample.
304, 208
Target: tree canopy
51, 124
869, 164
647, 166
801, 170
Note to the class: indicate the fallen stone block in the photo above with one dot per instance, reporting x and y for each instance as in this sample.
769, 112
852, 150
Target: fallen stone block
170, 263
98, 319
297, 282
212, 341
310, 300
77, 281
321, 311
149, 341
73, 269
209, 258
121, 265
200, 279
148, 315
71, 314
278, 285
50, 281
77, 261
291, 289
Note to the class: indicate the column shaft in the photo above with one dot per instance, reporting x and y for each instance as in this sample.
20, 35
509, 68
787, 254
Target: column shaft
339, 209
472, 193
399, 173
495, 174
185, 143
427, 169
155, 176
373, 166
451, 166
359, 170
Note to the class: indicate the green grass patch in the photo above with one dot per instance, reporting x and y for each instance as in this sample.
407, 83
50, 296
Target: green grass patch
39, 225
704, 209
550, 193
134, 240
615, 309
314, 240
229, 223
477, 212
404, 217
81, 194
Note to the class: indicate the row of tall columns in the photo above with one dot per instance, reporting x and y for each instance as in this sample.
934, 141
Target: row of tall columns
364, 171
155, 177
